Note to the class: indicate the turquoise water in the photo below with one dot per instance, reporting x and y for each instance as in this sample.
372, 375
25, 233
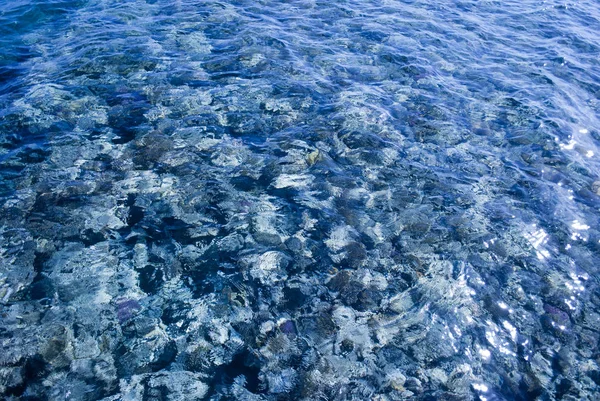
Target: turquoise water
299, 200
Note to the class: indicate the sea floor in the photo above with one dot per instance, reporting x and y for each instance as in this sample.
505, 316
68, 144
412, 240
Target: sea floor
299, 200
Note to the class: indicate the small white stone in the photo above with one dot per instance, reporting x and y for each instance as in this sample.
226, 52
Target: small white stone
267, 327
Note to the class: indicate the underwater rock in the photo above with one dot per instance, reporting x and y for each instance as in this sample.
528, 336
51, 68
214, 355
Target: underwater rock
541, 369
171, 386
126, 309
396, 380
11, 380
281, 382
269, 267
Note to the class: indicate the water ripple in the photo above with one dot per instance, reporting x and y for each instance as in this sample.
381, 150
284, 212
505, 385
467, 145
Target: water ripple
299, 200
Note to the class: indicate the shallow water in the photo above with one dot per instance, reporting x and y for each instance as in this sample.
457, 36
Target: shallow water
300, 200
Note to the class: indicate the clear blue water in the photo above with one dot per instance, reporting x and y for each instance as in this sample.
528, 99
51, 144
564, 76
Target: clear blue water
299, 200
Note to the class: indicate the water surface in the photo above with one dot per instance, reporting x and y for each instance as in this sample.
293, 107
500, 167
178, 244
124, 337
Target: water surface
299, 200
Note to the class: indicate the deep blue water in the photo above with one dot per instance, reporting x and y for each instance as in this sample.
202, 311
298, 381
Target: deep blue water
299, 200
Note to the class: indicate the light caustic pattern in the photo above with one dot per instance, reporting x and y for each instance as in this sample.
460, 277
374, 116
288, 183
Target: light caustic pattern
299, 200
